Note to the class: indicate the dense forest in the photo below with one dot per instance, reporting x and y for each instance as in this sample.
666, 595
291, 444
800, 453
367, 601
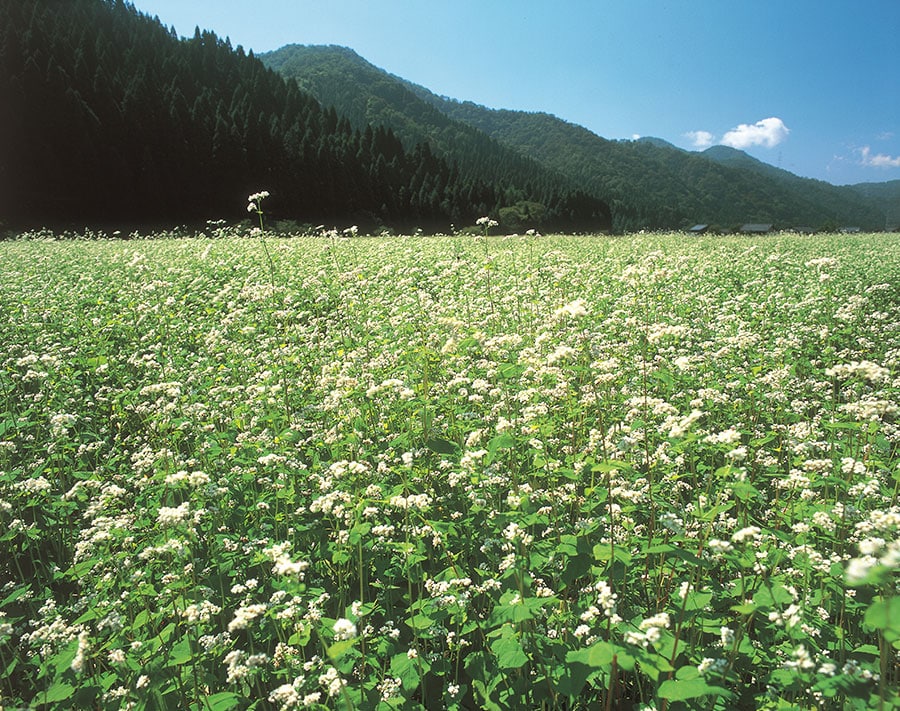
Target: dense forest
366, 95
108, 117
652, 184
649, 183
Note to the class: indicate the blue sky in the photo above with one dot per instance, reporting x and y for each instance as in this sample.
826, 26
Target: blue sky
809, 86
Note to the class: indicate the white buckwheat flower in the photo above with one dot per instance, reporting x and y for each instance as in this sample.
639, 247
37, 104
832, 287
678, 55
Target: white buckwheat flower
344, 629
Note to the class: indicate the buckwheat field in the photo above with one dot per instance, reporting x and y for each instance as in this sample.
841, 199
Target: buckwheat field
648, 472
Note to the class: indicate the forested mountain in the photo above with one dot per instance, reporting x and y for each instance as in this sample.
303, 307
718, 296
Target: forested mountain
106, 116
885, 195
648, 183
366, 95
652, 184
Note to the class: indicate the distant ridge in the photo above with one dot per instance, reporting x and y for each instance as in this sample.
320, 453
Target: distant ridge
649, 183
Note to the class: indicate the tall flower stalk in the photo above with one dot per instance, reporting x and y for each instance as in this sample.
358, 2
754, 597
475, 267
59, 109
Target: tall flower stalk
254, 204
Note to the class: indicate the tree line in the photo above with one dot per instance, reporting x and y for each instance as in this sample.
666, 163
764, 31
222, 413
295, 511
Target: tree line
109, 117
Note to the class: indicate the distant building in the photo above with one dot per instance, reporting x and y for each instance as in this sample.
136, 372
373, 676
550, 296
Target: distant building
698, 229
756, 229
850, 230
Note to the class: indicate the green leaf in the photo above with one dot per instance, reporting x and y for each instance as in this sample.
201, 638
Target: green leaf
697, 600
675, 552
87, 616
358, 533
511, 370
746, 609
181, 653
81, 569
501, 441
442, 446
15, 595
62, 660
405, 669
420, 622
683, 689
86, 696
60, 691
744, 491
620, 553
140, 619
776, 594
510, 654
885, 615
301, 637
339, 649
841, 425
223, 701
867, 649
573, 678
598, 656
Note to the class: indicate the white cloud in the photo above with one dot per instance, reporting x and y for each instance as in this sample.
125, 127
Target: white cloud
769, 133
700, 139
879, 160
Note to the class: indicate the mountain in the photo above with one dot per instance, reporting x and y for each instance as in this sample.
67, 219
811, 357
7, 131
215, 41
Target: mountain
369, 96
651, 183
884, 195
849, 206
108, 118
648, 183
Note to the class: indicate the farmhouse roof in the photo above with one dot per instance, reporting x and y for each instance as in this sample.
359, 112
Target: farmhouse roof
757, 227
699, 228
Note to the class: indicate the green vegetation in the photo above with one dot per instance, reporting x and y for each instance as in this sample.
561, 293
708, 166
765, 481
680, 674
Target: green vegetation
422, 473
110, 119
649, 183
368, 96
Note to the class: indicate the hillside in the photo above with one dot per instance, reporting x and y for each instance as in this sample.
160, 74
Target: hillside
886, 196
653, 184
369, 96
648, 183
852, 203
108, 118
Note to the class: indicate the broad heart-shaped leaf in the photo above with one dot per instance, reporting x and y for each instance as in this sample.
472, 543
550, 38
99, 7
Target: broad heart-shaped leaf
885, 615
180, 653
511, 371
598, 656
442, 446
339, 649
572, 678
60, 691
510, 654
582, 664
501, 441
223, 701
407, 669
683, 689
511, 608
